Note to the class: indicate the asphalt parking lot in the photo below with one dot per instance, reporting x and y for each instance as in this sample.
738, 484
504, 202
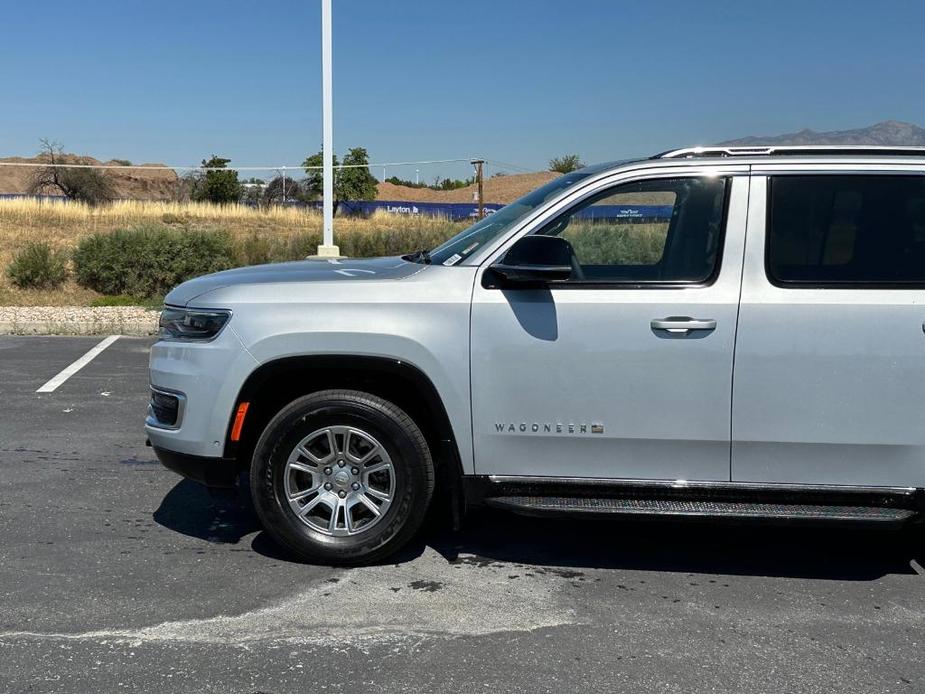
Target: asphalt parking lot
115, 574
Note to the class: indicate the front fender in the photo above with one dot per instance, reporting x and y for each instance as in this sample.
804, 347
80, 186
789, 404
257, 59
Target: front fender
434, 340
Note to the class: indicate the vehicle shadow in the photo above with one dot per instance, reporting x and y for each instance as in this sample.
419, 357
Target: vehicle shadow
832, 553
190, 509
841, 553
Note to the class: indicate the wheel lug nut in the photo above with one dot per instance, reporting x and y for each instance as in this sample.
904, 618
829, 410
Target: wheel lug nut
355, 471
328, 486
327, 471
341, 493
356, 485
341, 463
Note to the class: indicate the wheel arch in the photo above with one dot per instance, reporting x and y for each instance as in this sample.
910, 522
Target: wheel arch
278, 382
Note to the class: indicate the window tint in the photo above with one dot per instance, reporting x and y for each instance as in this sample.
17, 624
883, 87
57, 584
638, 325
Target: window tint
846, 230
663, 230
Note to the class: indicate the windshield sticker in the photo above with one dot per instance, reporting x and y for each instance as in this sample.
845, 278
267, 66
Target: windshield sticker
468, 249
453, 259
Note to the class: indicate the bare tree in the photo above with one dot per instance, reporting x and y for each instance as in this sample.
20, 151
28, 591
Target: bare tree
280, 190
91, 186
186, 184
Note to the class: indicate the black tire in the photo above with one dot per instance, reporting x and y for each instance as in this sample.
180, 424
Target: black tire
394, 430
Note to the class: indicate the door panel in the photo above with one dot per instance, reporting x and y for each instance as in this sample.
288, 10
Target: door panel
577, 382
829, 382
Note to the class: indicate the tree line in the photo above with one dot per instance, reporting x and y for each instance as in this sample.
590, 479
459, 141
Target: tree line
216, 182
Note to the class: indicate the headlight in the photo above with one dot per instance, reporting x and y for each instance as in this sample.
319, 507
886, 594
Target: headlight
191, 323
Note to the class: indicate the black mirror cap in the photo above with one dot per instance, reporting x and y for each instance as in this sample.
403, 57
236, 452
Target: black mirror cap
531, 274
534, 260
540, 250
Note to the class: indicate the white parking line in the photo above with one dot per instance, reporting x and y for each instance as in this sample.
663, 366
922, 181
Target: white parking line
69, 371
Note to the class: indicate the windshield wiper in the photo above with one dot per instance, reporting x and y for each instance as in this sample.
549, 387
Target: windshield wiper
421, 256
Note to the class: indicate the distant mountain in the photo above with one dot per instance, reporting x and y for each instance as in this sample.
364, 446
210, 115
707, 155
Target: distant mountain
890, 133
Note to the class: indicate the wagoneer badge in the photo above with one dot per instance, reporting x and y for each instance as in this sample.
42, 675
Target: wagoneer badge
548, 428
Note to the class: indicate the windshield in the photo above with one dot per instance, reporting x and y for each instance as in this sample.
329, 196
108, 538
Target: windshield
466, 242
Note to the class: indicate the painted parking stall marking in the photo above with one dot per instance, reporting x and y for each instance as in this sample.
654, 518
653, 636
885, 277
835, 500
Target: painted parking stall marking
73, 368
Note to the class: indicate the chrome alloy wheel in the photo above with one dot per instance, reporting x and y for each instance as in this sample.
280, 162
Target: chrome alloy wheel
339, 481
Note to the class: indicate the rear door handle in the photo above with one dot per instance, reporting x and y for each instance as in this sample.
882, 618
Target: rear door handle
683, 324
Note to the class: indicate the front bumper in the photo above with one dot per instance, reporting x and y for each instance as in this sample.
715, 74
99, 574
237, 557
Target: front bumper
212, 472
206, 377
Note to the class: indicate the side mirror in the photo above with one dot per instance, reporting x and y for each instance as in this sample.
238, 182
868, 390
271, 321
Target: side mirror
535, 259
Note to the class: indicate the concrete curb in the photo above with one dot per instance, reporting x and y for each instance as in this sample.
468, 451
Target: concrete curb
81, 328
77, 320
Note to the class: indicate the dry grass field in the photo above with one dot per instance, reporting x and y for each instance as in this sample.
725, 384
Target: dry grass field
258, 235
62, 224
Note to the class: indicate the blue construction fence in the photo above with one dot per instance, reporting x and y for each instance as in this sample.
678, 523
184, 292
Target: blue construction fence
463, 211
450, 210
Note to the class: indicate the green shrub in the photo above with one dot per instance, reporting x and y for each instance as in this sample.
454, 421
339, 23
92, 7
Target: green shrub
386, 241
149, 261
37, 266
300, 246
122, 300
170, 218
256, 250
604, 243
366, 243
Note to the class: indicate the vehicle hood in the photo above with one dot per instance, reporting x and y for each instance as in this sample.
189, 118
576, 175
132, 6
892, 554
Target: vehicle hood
333, 270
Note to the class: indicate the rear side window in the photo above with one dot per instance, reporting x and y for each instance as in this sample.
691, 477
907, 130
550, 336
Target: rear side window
846, 230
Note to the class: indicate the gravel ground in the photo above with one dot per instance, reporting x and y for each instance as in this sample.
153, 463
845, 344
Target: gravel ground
77, 320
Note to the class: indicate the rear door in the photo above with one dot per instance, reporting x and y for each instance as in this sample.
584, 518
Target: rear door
830, 354
626, 372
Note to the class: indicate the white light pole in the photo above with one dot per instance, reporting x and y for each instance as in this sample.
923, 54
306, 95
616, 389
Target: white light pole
327, 247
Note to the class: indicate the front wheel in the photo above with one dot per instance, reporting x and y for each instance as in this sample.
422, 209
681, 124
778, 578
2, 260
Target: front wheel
342, 477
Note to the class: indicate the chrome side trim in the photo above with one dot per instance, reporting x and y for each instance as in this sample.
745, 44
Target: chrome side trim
699, 484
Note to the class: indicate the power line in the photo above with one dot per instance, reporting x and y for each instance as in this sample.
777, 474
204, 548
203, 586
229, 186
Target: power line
508, 165
271, 167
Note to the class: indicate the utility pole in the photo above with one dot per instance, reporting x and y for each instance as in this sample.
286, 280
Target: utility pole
327, 247
477, 163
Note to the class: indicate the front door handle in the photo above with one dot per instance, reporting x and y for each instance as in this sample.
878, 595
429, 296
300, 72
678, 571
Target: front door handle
683, 324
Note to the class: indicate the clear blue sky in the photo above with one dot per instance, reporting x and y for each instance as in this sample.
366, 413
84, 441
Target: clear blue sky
176, 80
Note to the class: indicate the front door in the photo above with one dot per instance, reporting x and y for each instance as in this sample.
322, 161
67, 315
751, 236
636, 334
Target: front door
625, 370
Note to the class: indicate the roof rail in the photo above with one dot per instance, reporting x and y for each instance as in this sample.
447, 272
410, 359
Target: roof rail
792, 150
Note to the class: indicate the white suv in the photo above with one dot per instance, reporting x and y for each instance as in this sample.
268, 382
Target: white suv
710, 333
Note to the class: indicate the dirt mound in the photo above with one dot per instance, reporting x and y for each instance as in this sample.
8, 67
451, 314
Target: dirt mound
129, 184
498, 189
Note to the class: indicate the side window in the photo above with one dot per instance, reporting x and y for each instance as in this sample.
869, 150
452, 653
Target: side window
844, 230
660, 230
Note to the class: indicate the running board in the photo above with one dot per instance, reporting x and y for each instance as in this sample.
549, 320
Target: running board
678, 508
789, 503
